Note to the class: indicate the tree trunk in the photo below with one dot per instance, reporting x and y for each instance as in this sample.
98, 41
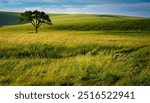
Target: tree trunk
36, 29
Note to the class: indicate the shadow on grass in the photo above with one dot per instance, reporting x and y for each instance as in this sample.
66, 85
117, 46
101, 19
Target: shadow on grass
111, 16
31, 32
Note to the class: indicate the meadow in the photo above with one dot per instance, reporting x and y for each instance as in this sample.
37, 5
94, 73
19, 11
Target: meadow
77, 50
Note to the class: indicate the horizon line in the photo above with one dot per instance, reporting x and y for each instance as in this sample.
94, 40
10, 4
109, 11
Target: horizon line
79, 13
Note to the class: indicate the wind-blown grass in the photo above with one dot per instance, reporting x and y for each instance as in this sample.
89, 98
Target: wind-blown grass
73, 57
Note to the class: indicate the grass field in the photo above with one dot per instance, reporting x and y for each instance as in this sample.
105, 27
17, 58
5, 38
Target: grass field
77, 50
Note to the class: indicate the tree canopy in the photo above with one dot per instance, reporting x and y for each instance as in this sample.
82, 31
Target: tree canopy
36, 17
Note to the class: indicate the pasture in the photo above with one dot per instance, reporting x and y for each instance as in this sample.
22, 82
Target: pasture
77, 50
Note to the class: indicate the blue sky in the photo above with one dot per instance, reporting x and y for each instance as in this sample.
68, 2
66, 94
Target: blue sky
121, 7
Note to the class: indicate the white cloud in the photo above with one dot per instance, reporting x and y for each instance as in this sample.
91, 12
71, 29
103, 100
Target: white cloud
92, 9
61, 9
33, 8
121, 8
144, 4
48, 1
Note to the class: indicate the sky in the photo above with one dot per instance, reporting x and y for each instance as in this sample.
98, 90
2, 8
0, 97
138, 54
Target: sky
119, 7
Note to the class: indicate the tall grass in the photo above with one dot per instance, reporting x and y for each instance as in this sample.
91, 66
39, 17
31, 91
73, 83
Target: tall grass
62, 54
74, 58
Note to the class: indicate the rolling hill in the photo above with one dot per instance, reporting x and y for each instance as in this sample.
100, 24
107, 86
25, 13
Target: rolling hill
78, 50
86, 22
99, 22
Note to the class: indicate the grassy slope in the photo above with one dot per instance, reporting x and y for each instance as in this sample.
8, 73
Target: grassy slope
62, 57
86, 22
99, 22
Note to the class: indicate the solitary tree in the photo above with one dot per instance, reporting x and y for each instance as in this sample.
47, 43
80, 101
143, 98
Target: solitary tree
35, 17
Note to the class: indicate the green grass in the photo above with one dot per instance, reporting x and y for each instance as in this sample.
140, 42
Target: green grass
60, 55
86, 22
99, 22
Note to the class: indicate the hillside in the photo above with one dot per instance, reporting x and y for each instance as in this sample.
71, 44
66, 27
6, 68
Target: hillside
86, 22
99, 22
78, 50
8, 18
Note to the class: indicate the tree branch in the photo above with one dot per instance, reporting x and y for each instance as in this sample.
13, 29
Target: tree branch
33, 23
39, 24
